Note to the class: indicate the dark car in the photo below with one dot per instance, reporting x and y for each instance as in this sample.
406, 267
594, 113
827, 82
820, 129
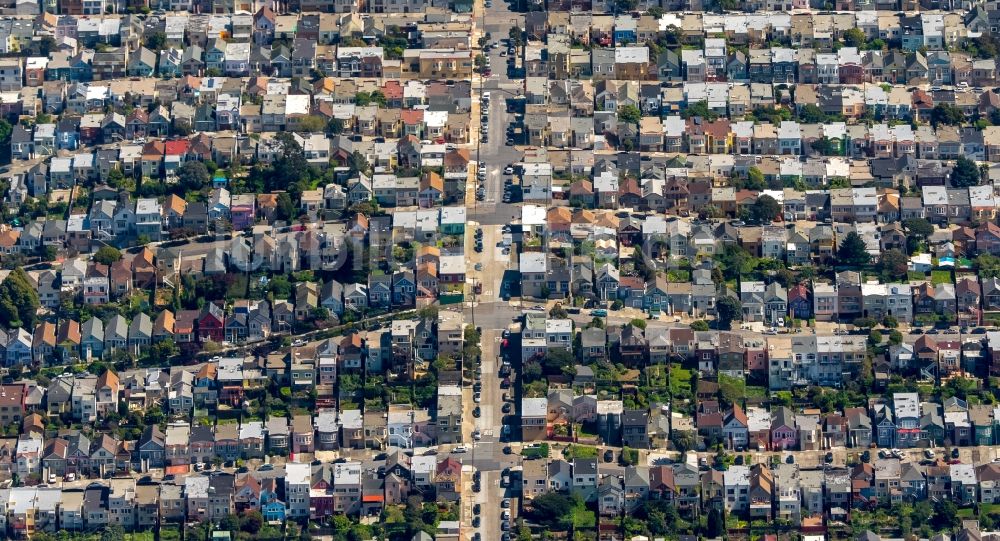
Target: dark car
954, 453
506, 408
829, 458
609, 455
507, 450
476, 412
866, 457
475, 522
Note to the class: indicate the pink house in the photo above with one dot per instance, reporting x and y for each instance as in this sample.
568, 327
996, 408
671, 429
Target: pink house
243, 211
784, 435
302, 434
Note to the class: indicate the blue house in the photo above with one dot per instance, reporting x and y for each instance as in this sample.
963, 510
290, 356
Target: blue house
271, 508
625, 29
18, 350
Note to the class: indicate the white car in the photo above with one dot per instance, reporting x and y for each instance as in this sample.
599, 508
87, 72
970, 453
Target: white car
477, 435
459, 449
52, 478
509, 170
477, 398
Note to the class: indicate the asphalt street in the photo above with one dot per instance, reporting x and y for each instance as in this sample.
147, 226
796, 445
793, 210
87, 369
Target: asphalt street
488, 311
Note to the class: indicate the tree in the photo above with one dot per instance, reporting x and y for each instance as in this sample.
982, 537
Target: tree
18, 301
728, 308
716, 524
285, 209
947, 114
556, 360
700, 109
755, 179
156, 41
765, 209
106, 255
193, 175
825, 147
812, 114
683, 440
699, 325
630, 114
893, 263
358, 163
552, 508
558, 312
895, 337
919, 227
853, 252
965, 173
855, 37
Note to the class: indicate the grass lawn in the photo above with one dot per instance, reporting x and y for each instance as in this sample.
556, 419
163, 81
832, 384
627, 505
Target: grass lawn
583, 518
915, 276
540, 451
940, 277
238, 288
579, 451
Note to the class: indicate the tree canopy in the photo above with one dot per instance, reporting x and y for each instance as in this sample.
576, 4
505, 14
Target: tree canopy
965, 173
193, 175
765, 209
629, 114
853, 251
18, 301
728, 309
107, 255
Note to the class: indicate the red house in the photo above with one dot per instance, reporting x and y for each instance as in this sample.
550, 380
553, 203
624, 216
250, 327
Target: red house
211, 323
321, 492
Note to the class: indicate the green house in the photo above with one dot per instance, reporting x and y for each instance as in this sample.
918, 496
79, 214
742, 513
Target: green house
453, 220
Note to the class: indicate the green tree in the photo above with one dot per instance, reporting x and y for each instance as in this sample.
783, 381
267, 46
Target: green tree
285, 209
156, 41
193, 175
855, 37
765, 209
701, 110
728, 308
18, 301
556, 360
893, 264
552, 509
358, 163
811, 114
106, 255
825, 147
716, 523
919, 227
965, 173
755, 179
699, 325
630, 114
947, 114
852, 251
